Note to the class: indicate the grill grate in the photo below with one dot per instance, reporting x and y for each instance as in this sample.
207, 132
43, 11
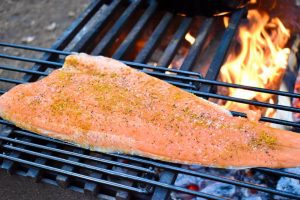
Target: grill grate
54, 162
38, 152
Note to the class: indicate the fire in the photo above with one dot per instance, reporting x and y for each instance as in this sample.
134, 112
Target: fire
188, 37
226, 21
260, 62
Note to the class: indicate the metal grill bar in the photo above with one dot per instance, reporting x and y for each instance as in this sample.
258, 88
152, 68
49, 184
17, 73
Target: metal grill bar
157, 34
170, 51
100, 23
108, 38
49, 63
133, 35
250, 102
102, 170
268, 119
279, 173
62, 180
198, 93
75, 163
77, 25
142, 66
100, 181
138, 66
28, 71
140, 160
222, 51
165, 166
79, 155
35, 173
167, 177
190, 59
33, 48
191, 88
7, 80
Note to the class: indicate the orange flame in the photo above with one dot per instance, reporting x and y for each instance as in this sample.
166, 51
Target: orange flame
189, 38
260, 62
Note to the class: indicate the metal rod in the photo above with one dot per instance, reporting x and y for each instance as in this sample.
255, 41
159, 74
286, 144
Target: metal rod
279, 172
33, 48
76, 26
8, 80
78, 164
268, 119
135, 32
157, 34
199, 174
181, 170
16, 69
31, 60
110, 172
195, 49
245, 101
82, 156
108, 39
142, 65
182, 85
132, 64
88, 37
200, 80
202, 94
219, 57
77, 175
138, 65
173, 45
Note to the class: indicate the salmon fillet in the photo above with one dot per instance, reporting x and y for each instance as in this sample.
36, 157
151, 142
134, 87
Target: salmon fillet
103, 105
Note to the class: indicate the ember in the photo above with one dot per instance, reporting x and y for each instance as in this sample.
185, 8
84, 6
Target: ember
223, 189
188, 37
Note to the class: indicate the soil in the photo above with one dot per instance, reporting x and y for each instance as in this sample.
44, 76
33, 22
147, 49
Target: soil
36, 23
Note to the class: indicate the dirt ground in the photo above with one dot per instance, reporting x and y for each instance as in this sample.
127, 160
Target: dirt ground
36, 23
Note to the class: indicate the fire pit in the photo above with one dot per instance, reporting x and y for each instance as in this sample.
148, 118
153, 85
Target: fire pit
165, 45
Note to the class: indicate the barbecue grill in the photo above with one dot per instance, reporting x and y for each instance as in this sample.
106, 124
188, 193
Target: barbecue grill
58, 163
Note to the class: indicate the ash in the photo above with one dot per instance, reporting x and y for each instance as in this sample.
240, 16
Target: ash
228, 190
287, 184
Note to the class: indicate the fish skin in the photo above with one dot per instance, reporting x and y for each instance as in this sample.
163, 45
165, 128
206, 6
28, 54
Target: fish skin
103, 105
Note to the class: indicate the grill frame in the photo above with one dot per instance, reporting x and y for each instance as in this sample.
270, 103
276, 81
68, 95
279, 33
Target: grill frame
16, 140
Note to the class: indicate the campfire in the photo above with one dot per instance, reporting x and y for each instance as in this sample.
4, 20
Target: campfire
259, 61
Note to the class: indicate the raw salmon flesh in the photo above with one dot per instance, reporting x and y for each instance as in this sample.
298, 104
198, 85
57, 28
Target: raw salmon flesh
103, 105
